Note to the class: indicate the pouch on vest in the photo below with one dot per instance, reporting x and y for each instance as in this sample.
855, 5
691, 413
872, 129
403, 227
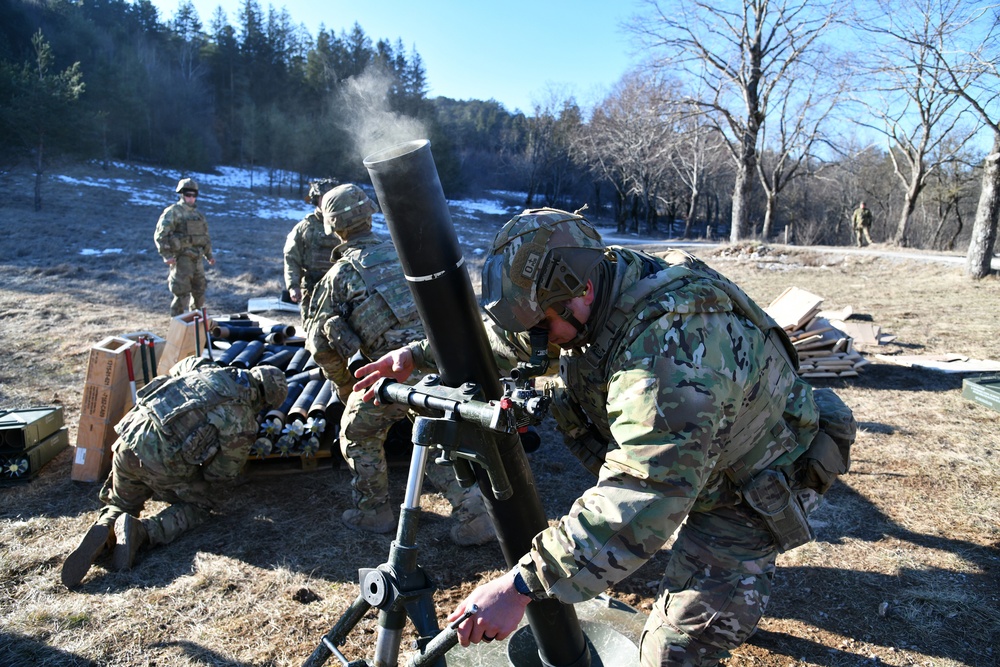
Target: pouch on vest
829, 455
200, 445
341, 337
769, 495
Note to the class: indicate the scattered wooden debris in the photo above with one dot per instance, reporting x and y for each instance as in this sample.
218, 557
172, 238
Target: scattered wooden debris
945, 363
825, 349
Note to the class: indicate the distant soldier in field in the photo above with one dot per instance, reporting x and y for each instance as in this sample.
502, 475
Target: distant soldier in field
862, 221
183, 443
182, 240
364, 303
308, 249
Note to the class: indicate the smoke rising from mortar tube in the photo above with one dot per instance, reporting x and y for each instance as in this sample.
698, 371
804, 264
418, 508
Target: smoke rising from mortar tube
371, 124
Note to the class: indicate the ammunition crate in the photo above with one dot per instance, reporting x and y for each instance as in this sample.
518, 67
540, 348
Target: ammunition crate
185, 338
23, 429
984, 390
92, 459
159, 344
18, 467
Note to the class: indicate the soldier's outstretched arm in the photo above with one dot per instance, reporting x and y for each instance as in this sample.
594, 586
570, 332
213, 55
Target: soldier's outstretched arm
397, 364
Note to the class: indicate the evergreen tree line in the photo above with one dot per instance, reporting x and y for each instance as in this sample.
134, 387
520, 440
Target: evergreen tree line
111, 79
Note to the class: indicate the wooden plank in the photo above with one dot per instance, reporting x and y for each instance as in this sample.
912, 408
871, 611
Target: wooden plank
794, 307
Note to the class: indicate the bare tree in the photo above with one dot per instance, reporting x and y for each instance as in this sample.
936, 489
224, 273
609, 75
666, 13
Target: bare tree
918, 115
695, 160
790, 151
738, 57
969, 68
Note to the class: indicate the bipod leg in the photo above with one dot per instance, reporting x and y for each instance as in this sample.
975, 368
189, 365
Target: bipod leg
401, 588
331, 640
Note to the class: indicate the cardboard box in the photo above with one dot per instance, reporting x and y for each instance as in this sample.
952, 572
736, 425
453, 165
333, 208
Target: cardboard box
92, 459
24, 466
107, 365
152, 366
23, 429
106, 403
185, 338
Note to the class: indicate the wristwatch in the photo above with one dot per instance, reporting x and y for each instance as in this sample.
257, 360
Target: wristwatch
521, 586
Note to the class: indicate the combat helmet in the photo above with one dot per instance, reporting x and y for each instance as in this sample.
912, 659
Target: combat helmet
273, 381
186, 184
319, 188
539, 259
346, 207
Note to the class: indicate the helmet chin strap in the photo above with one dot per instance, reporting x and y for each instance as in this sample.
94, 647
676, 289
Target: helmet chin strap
582, 332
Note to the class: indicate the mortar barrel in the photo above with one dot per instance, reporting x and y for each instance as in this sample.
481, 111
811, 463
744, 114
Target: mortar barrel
416, 212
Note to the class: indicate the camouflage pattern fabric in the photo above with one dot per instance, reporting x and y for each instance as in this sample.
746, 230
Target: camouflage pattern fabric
862, 223
362, 291
182, 235
666, 403
308, 250
153, 461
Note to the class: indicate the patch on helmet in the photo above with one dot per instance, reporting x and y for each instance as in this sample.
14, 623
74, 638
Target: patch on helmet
524, 268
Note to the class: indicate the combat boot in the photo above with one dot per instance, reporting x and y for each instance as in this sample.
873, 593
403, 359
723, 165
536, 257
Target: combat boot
473, 525
130, 534
378, 520
99, 538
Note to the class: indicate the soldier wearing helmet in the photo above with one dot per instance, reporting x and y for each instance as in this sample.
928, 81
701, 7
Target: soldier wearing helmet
682, 396
182, 240
363, 303
176, 449
308, 249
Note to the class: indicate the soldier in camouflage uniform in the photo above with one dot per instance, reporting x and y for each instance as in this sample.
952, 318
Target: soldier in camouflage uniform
682, 395
364, 303
186, 439
308, 250
182, 240
862, 223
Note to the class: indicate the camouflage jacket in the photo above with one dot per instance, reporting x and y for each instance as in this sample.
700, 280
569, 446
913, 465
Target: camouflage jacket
308, 251
862, 218
363, 302
199, 420
687, 369
182, 230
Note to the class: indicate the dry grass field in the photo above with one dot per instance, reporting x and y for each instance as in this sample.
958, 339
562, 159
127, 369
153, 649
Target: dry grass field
905, 570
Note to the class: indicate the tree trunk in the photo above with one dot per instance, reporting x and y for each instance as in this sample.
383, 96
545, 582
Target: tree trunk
765, 233
741, 200
984, 229
909, 205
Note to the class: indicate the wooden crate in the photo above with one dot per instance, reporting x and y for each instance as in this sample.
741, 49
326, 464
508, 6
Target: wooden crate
185, 338
159, 344
107, 396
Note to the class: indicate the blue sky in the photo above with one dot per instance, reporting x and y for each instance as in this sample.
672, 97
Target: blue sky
517, 52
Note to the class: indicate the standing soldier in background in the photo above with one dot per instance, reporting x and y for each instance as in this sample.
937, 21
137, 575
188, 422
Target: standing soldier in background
364, 303
182, 240
308, 249
183, 443
862, 221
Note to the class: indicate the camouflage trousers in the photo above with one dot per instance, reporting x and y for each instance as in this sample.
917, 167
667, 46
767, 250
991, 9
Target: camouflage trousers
131, 484
363, 429
861, 236
714, 591
187, 283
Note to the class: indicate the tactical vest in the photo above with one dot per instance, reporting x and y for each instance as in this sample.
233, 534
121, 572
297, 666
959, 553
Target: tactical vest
318, 251
179, 406
389, 304
190, 228
758, 435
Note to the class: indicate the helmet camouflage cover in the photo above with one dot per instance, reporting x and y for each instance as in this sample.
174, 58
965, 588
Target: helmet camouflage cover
346, 207
186, 184
319, 188
273, 381
539, 259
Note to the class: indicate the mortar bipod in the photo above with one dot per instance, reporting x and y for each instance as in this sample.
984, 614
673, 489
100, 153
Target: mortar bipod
399, 588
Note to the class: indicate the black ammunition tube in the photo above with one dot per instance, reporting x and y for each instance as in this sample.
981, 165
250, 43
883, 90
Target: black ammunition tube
318, 408
234, 350
250, 355
416, 212
298, 362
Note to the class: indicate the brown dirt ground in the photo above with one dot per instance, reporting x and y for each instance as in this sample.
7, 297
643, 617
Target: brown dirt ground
904, 570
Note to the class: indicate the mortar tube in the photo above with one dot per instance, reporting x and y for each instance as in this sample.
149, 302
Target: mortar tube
237, 333
226, 358
416, 212
250, 355
275, 338
277, 359
286, 330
